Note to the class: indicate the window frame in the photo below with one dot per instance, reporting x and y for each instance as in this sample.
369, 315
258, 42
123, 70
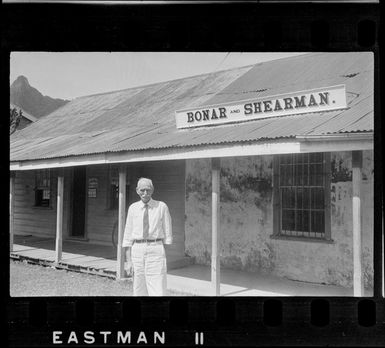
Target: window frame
277, 203
42, 188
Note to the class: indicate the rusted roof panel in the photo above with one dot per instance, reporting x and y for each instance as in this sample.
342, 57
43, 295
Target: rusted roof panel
298, 73
143, 118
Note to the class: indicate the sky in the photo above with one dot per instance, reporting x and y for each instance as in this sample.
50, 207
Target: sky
68, 75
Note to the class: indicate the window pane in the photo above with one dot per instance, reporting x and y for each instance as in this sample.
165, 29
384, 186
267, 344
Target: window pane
298, 175
299, 198
289, 178
284, 194
315, 174
282, 175
318, 180
298, 158
288, 198
298, 221
306, 220
285, 159
316, 157
305, 174
288, 220
317, 221
312, 172
317, 198
306, 198
286, 175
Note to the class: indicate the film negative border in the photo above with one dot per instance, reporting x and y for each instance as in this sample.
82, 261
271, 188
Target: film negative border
202, 321
198, 321
188, 27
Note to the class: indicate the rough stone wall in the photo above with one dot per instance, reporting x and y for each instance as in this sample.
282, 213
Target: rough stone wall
246, 212
247, 221
341, 222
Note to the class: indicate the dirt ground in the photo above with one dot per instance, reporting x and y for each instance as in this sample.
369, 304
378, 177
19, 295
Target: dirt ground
35, 280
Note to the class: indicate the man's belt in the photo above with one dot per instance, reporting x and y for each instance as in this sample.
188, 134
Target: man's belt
148, 240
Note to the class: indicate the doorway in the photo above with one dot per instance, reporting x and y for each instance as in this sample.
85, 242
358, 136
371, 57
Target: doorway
78, 202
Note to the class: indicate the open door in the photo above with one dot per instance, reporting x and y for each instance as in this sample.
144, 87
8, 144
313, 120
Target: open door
79, 202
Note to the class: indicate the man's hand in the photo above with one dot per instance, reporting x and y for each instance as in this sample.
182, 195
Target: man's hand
128, 267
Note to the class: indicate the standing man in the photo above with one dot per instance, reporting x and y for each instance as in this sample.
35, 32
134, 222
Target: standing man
148, 227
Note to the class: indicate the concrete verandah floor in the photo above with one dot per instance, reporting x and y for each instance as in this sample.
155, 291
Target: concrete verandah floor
77, 255
195, 279
182, 275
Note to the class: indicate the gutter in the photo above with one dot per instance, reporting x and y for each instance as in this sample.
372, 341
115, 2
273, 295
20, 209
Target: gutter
336, 137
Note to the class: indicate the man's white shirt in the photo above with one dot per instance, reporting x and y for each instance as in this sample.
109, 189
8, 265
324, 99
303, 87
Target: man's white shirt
159, 221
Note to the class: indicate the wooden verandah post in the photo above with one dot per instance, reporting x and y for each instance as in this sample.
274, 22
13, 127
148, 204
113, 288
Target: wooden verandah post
121, 222
358, 284
59, 218
215, 227
11, 208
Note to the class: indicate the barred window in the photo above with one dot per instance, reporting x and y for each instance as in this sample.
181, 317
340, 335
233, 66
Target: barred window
42, 188
303, 189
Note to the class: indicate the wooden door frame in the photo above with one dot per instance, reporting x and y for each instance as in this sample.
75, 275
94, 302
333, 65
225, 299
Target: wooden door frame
72, 196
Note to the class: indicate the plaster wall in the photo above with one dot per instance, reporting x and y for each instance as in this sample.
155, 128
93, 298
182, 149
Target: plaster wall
246, 221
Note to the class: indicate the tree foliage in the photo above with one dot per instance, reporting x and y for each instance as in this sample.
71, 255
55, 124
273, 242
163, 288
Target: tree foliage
14, 119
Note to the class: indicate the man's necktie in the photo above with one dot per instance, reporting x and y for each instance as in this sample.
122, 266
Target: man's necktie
146, 223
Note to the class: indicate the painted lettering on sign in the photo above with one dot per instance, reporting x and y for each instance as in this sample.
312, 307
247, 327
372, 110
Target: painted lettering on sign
316, 100
206, 114
287, 103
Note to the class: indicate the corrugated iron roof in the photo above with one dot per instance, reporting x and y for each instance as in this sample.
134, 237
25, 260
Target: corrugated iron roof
143, 118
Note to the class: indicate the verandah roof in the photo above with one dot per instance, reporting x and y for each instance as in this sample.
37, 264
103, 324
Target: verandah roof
142, 118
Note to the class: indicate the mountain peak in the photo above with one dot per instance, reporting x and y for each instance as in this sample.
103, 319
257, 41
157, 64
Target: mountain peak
21, 80
31, 100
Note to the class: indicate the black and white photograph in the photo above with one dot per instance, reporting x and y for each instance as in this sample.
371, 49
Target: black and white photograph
191, 174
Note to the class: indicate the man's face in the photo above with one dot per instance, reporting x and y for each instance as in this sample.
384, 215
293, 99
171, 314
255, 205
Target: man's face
145, 191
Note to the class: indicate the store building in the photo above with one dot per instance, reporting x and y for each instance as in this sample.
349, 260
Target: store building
265, 168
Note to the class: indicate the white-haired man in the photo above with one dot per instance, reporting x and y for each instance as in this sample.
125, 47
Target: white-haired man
148, 227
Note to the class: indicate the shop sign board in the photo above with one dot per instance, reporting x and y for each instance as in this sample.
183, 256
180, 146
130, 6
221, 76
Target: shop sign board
92, 192
309, 101
93, 183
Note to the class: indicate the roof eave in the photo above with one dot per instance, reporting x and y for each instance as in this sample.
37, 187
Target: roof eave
336, 137
273, 147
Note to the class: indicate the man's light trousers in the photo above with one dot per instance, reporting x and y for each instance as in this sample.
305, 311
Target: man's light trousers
150, 269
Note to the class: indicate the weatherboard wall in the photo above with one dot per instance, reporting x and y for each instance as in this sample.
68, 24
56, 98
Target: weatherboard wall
246, 221
39, 221
169, 180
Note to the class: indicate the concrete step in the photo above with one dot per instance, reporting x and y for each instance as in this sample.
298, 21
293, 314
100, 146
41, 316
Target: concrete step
88, 264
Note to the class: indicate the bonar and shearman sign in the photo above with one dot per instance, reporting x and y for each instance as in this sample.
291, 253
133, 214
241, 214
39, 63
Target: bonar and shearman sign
315, 100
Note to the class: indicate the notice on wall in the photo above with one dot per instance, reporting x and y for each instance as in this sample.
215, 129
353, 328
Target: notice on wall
93, 183
314, 100
46, 194
92, 192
